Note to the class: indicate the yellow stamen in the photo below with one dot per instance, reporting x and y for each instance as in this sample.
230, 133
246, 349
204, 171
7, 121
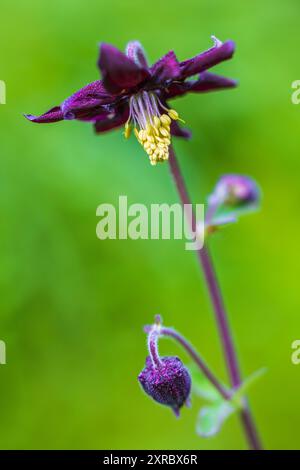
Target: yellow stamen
165, 119
174, 115
156, 122
127, 130
164, 132
155, 134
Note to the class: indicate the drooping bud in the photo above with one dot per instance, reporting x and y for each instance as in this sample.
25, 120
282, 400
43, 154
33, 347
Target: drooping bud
168, 382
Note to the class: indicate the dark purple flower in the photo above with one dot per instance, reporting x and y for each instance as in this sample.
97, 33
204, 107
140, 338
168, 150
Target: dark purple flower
168, 383
133, 94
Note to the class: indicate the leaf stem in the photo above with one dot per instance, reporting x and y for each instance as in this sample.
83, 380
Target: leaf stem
206, 264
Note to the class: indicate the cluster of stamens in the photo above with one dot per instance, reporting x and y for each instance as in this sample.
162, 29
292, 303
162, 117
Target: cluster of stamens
151, 126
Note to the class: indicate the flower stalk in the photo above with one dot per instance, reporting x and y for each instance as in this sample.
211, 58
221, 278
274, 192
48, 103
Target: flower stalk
198, 360
206, 265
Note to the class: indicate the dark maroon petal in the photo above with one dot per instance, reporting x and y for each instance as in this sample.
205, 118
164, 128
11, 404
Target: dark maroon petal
167, 68
135, 52
209, 81
119, 72
89, 97
112, 120
53, 115
206, 82
96, 115
176, 89
207, 59
178, 131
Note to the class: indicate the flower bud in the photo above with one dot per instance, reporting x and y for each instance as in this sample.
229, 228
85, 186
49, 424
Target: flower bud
235, 190
168, 383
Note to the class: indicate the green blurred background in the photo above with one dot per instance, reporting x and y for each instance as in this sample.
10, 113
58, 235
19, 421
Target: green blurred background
72, 306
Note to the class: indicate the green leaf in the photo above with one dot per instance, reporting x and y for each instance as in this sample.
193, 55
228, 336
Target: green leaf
202, 386
230, 214
244, 387
211, 418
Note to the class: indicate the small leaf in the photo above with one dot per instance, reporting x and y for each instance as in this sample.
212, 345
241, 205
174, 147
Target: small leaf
244, 387
226, 214
202, 386
211, 418
218, 223
223, 220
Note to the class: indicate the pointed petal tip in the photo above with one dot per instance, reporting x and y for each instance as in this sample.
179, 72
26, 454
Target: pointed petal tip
216, 41
30, 117
188, 403
230, 46
219, 52
135, 51
176, 412
53, 115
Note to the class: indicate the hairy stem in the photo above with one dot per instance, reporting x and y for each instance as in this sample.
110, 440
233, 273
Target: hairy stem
152, 347
206, 265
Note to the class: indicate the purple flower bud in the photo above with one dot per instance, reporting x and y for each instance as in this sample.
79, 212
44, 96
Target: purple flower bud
168, 383
235, 190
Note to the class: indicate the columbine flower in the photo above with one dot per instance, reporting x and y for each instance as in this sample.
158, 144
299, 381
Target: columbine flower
165, 379
135, 95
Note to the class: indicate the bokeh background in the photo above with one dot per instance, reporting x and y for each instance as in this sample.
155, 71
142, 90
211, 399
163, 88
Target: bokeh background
72, 306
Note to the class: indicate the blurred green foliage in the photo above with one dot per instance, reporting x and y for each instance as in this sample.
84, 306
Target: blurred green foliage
72, 306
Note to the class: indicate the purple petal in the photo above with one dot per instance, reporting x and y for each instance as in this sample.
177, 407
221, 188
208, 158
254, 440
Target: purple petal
176, 89
53, 115
178, 131
213, 56
119, 72
166, 68
112, 120
85, 104
135, 52
209, 81
206, 82
97, 115
89, 97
